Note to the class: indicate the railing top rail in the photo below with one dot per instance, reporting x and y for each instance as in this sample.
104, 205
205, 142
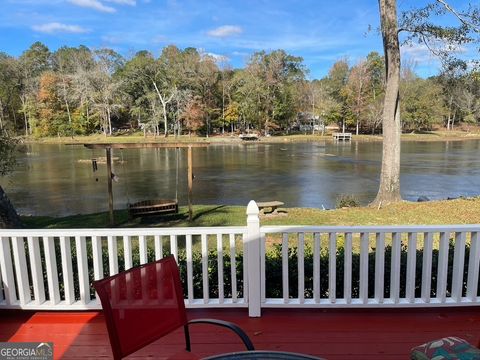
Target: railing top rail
370, 229
237, 230
125, 231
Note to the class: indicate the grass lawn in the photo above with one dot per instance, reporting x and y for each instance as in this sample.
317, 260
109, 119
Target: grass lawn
460, 211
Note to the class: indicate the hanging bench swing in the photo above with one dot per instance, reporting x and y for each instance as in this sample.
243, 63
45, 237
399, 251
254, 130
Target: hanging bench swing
156, 206
152, 207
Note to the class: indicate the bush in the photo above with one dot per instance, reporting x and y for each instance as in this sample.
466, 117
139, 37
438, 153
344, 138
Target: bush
273, 269
345, 200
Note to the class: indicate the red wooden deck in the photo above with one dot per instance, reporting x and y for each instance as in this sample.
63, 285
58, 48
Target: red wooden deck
331, 334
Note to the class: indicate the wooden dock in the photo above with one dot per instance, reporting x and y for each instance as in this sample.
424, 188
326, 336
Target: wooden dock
342, 136
249, 137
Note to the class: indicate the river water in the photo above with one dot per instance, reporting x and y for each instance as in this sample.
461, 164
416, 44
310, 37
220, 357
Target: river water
59, 180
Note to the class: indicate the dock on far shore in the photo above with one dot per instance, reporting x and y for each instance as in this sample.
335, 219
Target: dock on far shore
249, 137
342, 136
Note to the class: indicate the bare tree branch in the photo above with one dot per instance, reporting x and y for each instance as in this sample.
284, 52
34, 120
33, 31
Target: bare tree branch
462, 19
427, 44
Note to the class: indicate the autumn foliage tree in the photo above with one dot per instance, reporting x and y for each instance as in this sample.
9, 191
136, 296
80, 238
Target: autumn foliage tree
232, 114
194, 115
52, 117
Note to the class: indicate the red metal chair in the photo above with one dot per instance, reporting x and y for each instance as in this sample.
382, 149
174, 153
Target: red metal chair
145, 303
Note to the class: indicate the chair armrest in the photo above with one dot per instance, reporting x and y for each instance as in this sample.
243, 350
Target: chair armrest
226, 324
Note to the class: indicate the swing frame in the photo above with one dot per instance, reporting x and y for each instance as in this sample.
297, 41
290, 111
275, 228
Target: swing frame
108, 149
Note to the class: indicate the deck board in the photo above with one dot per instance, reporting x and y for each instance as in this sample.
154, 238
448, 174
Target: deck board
332, 334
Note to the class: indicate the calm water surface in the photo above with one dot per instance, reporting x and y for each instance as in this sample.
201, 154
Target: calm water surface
58, 179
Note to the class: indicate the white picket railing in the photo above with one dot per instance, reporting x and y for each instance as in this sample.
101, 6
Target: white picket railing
315, 266
445, 265
53, 269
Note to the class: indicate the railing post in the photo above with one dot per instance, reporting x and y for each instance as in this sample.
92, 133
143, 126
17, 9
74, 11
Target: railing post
252, 245
6, 268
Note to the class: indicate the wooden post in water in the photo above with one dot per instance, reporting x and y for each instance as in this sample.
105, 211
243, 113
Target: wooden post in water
109, 182
190, 183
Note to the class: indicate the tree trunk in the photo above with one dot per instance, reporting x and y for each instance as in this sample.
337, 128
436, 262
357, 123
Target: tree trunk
1, 116
176, 122
359, 105
13, 112
164, 107
450, 103
24, 108
448, 119
9, 218
389, 189
208, 125
109, 121
26, 123
65, 99
223, 105
104, 123
164, 102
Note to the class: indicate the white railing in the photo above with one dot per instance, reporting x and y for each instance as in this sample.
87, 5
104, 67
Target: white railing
53, 269
426, 266
252, 266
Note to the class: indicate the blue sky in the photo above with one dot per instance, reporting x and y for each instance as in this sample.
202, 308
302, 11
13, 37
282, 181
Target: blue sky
319, 31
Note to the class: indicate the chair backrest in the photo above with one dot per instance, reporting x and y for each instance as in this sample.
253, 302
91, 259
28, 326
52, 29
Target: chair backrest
141, 305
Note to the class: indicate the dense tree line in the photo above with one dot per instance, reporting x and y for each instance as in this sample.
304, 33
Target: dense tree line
353, 96
79, 91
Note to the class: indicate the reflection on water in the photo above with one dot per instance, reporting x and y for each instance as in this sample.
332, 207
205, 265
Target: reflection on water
53, 179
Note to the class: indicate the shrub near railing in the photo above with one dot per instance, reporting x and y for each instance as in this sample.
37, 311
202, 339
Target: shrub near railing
105, 263
273, 276
182, 261
273, 273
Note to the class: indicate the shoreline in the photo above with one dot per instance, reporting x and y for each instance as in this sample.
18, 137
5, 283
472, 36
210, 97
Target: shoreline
234, 139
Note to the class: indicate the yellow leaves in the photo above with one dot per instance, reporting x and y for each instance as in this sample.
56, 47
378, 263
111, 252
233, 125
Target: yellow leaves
49, 83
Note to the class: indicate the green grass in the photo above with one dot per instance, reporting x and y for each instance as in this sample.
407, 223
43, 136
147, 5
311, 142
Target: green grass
203, 215
460, 211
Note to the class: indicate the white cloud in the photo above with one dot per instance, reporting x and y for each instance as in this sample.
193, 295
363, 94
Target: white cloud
123, 2
93, 4
418, 53
225, 31
218, 58
421, 53
56, 27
